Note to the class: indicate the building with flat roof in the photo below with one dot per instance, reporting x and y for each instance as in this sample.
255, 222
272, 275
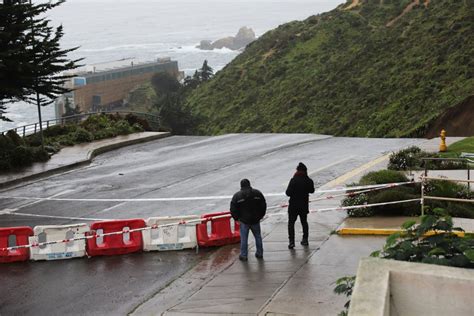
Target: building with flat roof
105, 86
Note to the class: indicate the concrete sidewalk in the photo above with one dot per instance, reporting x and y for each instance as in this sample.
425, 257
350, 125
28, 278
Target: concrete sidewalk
75, 156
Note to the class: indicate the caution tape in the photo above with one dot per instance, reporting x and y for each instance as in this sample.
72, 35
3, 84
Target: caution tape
93, 234
194, 198
363, 189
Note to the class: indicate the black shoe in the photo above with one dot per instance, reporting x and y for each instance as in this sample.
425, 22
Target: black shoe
242, 258
304, 242
258, 256
291, 245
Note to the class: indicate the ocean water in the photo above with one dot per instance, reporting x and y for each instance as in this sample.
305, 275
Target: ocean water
110, 30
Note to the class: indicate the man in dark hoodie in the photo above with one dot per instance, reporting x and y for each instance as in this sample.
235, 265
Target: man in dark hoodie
298, 190
248, 206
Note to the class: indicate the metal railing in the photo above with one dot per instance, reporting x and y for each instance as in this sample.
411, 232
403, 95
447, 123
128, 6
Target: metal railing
440, 198
25, 130
464, 161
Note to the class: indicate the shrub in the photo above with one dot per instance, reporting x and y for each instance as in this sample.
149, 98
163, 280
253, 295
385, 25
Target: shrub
122, 127
382, 177
6, 143
384, 195
15, 138
396, 194
4, 163
404, 159
65, 140
21, 156
55, 130
358, 199
105, 133
82, 136
39, 154
34, 140
443, 248
412, 159
96, 122
137, 127
450, 189
133, 119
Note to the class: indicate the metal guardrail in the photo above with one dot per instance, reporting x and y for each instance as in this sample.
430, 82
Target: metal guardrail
25, 130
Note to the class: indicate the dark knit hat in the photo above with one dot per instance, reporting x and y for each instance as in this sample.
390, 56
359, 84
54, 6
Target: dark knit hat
244, 183
301, 167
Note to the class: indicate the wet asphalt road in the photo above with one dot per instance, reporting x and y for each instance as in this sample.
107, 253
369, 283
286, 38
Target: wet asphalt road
174, 167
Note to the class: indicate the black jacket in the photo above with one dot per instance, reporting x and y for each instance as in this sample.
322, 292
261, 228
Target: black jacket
248, 206
298, 189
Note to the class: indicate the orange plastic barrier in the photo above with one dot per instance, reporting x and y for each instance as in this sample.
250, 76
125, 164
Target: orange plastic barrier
20, 236
118, 244
221, 232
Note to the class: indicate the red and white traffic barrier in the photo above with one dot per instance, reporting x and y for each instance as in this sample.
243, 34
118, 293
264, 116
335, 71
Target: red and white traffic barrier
126, 236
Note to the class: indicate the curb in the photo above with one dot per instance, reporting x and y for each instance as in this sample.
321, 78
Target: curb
90, 155
385, 232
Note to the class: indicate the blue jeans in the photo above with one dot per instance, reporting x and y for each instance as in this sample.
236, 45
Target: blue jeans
244, 237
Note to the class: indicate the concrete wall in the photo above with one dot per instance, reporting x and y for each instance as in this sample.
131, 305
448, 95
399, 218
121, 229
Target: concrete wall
389, 287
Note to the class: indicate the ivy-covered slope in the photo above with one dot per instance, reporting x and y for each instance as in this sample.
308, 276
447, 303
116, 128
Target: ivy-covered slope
378, 69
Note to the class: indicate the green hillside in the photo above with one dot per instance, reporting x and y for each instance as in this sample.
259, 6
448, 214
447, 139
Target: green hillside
380, 69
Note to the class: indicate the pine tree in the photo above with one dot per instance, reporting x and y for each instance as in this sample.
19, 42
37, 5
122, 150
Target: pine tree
206, 72
31, 60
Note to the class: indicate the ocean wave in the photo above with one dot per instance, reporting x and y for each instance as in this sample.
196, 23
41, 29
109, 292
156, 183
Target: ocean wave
194, 49
126, 47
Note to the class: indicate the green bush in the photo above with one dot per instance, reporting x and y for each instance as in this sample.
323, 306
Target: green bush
133, 119
15, 138
449, 189
40, 154
399, 193
137, 127
396, 194
21, 156
5, 163
105, 133
34, 140
382, 177
97, 122
443, 248
82, 136
405, 159
122, 127
412, 159
6, 143
56, 130
65, 140
358, 199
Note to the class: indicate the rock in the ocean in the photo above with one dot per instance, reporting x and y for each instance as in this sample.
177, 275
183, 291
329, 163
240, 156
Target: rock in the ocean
205, 45
244, 36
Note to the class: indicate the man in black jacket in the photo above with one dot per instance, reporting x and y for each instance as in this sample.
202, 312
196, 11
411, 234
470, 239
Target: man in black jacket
298, 190
248, 206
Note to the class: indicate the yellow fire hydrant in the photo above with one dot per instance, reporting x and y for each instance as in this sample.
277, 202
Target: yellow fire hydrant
442, 145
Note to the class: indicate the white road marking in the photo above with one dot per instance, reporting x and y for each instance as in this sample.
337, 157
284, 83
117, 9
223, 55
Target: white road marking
61, 217
8, 210
111, 208
191, 198
330, 165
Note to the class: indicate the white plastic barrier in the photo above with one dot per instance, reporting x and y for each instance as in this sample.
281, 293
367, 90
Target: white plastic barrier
175, 237
58, 250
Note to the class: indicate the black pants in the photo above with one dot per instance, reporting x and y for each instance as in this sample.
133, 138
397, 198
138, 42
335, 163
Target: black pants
291, 225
